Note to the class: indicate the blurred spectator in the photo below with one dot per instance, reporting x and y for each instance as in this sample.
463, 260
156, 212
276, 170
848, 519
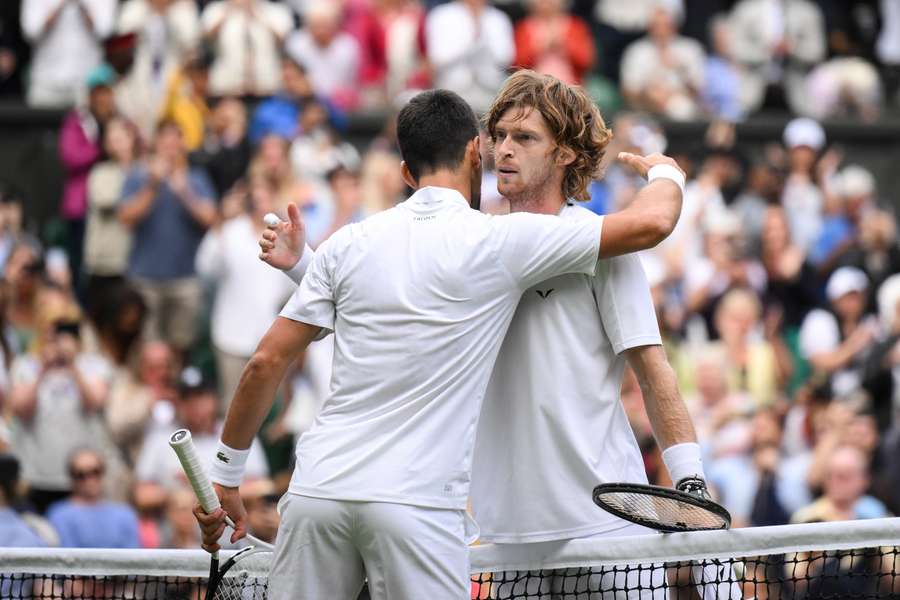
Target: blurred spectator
663, 72
186, 99
391, 37
329, 55
846, 480
318, 149
272, 162
107, 241
887, 48
249, 294
381, 185
158, 471
168, 206
346, 194
23, 272
550, 40
881, 376
802, 196
837, 340
260, 499
281, 113
620, 24
60, 389
777, 43
470, 45
117, 313
80, 148
166, 31
14, 530
247, 35
10, 221
722, 74
65, 46
846, 86
225, 152
764, 184
87, 519
852, 194
179, 529
13, 50
877, 252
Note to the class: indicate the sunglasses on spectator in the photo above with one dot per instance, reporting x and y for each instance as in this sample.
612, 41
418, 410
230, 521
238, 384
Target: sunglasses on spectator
87, 473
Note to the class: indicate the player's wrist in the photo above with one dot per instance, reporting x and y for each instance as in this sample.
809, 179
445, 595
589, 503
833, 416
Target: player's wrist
299, 269
228, 465
683, 461
667, 172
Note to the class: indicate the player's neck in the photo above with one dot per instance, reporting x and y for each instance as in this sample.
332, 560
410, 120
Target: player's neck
539, 203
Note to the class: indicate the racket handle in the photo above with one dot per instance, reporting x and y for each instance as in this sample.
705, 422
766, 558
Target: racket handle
183, 445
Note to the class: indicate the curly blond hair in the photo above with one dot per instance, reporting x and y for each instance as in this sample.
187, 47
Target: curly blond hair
571, 116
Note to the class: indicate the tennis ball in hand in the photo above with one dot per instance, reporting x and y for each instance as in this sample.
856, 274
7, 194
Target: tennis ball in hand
271, 220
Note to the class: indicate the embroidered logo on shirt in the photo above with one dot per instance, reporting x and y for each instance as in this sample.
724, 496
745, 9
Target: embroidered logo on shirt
545, 294
221, 456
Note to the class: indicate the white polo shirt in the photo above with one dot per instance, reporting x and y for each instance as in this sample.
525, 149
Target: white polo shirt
553, 426
419, 297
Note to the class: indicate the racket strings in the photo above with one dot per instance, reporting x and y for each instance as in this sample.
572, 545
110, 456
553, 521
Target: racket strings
662, 512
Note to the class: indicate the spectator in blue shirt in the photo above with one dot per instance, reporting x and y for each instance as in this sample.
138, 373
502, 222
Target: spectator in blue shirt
14, 531
280, 114
169, 206
87, 519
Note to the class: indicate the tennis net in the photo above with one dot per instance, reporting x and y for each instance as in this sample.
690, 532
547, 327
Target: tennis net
844, 560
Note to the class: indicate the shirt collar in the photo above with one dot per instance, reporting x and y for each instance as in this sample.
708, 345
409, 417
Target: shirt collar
431, 195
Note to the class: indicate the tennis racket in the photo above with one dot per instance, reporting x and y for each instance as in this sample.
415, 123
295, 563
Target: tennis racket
237, 585
661, 508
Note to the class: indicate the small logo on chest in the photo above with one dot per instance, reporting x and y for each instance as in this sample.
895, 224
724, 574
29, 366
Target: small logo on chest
544, 293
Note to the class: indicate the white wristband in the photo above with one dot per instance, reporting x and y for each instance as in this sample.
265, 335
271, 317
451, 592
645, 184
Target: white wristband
667, 172
228, 465
683, 461
297, 272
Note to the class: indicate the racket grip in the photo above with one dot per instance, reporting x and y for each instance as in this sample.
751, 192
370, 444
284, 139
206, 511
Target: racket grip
183, 445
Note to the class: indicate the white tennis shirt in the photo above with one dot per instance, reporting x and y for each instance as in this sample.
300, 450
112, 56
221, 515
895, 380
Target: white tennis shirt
552, 425
419, 298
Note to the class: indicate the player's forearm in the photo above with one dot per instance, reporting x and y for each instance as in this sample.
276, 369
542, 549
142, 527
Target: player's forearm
253, 398
666, 410
647, 221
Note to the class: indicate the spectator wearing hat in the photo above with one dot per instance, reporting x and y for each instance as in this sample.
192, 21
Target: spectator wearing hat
663, 73
802, 196
14, 530
836, 340
168, 205
852, 193
246, 36
65, 46
776, 43
87, 519
166, 31
80, 148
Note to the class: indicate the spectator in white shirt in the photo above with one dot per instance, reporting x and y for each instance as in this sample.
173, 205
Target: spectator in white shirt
65, 40
249, 294
663, 72
247, 36
470, 46
330, 56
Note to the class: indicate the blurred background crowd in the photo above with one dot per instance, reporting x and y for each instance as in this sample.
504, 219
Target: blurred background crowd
186, 121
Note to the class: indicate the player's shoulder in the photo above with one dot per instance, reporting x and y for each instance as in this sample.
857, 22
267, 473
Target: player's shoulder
574, 211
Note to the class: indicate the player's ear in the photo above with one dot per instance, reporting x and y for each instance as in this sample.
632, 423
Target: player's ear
407, 175
565, 156
476, 152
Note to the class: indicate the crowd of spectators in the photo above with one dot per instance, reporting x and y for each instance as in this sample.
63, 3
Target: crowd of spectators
778, 294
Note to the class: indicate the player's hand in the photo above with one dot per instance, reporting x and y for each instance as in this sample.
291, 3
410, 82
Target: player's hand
282, 245
643, 164
212, 526
695, 487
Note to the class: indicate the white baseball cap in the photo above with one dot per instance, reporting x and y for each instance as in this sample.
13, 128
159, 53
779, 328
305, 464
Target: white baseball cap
846, 280
804, 131
854, 181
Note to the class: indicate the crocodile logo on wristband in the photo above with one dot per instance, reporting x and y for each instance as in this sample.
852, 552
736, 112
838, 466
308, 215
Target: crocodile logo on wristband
221, 456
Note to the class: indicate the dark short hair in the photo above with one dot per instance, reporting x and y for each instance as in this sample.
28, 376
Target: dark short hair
433, 130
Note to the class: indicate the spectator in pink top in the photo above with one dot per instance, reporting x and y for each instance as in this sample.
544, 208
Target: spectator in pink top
80, 148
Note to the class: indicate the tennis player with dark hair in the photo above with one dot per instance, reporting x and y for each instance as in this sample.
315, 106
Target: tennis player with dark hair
419, 298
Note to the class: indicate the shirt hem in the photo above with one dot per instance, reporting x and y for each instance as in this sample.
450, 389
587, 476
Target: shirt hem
550, 536
637, 341
424, 502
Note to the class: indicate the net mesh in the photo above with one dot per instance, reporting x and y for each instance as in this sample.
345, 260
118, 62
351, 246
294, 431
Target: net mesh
827, 560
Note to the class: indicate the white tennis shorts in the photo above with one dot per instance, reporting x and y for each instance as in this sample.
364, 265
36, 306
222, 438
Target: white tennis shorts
327, 549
